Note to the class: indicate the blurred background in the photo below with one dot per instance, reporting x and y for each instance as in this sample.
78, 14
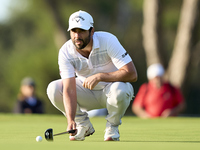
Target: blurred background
166, 31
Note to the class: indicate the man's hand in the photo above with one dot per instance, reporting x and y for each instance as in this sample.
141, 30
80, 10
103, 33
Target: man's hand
72, 126
91, 82
167, 113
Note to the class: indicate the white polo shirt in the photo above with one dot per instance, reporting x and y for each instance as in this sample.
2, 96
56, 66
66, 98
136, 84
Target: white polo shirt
107, 55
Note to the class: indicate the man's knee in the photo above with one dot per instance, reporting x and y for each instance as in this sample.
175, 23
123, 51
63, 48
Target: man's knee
120, 91
53, 90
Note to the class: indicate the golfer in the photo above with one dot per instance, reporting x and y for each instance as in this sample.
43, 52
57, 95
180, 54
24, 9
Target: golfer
95, 73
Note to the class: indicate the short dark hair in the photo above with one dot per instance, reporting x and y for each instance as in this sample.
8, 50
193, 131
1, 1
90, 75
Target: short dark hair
90, 29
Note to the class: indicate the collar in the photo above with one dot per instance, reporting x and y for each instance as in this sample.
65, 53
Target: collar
95, 41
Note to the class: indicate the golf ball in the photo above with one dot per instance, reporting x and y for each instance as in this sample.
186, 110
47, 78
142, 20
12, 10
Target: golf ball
38, 138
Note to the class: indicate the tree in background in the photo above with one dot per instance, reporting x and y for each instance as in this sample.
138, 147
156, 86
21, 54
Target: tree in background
151, 10
178, 65
181, 56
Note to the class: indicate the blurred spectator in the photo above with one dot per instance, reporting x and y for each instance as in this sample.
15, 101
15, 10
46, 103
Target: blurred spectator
27, 101
157, 98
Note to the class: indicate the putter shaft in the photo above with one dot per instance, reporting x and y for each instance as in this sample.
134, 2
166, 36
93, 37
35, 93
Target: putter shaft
70, 131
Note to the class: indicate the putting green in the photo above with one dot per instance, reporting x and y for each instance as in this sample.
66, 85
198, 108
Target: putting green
20, 131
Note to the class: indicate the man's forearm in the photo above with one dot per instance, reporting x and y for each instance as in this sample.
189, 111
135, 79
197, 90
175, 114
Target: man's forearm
120, 75
70, 104
140, 112
126, 73
70, 98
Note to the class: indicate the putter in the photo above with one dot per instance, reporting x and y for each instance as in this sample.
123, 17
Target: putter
49, 134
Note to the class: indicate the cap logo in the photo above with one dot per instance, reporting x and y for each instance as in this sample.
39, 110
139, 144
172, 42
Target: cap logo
78, 18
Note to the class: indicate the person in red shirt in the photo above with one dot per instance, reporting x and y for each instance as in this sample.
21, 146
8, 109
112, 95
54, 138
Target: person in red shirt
157, 98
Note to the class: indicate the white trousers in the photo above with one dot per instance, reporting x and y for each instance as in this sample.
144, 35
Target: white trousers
115, 97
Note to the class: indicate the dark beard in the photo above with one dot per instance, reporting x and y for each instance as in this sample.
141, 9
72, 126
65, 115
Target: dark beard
85, 43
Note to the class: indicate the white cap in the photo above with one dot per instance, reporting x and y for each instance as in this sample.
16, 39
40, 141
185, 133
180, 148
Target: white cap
155, 70
80, 19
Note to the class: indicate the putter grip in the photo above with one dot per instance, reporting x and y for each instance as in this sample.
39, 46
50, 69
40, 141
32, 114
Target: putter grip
71, 131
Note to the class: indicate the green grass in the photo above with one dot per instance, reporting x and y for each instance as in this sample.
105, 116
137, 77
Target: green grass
20, 131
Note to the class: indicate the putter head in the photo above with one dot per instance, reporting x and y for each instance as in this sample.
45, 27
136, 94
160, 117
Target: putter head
49, 134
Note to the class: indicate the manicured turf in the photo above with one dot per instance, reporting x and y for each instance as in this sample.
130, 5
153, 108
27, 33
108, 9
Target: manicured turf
18, 132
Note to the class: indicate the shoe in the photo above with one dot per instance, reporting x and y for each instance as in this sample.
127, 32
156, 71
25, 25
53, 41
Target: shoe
82, 132
111, 133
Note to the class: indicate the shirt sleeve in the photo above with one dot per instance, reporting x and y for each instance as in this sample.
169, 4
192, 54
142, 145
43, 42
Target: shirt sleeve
140, 96
118, 54
65, 66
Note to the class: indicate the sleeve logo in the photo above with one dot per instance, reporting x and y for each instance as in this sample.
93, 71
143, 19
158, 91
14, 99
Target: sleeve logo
124, 55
